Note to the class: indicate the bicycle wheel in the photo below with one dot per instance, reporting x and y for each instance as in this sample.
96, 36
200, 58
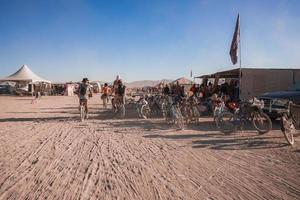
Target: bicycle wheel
138, 110
179, 119
105, 100
82, 113
288, 129
145, 111
261, 122
184, 111
226, 122
196, 114
121, 111
165, 112
216, 114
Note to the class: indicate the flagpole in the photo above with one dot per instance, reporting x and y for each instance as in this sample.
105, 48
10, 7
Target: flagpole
236, 53
240, 70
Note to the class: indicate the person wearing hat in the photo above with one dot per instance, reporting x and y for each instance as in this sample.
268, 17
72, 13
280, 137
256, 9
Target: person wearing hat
117, 89
116, 83
84, 93
120, 92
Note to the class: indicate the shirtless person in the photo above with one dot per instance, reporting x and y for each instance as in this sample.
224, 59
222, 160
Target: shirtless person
106, 91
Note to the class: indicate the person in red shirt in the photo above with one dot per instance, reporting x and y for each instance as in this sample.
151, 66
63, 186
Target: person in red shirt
193, 89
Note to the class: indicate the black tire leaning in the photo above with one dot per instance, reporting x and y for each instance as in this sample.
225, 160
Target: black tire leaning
226, 126
288, 129
266, 119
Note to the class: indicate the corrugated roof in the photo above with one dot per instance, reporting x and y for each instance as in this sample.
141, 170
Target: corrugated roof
234, 73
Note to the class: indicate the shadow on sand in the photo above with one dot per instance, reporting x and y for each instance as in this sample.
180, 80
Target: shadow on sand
297, 151
141, 123
220, 142
39, 119
239, 143
210, 139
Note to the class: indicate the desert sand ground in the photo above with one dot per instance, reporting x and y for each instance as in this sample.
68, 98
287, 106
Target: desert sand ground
45, 152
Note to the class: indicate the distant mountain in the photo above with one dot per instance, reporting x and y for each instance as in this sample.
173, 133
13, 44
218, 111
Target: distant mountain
145, 83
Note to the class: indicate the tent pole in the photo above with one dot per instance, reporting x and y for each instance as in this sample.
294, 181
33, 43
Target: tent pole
32, 88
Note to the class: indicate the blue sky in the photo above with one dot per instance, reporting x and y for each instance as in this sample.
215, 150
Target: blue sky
65, 40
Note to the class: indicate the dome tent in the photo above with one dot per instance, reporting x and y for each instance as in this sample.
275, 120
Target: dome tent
25, 74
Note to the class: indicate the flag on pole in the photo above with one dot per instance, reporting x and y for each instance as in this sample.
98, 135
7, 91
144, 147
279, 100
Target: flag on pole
235, 42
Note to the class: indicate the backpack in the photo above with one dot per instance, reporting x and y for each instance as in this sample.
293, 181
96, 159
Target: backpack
121, 90
82, 90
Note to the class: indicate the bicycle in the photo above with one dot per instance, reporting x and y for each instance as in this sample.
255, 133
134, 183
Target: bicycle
119, 107
222, 107
83, 113
189, 109
105, 100
196, 109
218, 108
248, 112
154, 107
290, 121
143, 108
172, 113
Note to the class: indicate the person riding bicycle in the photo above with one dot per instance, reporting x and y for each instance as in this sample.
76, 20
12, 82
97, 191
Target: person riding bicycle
115, 90
118, 101
115, 86
84, 93
120, 92
106, 91
116, 83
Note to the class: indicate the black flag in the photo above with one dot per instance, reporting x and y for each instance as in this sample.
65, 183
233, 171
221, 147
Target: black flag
235, 42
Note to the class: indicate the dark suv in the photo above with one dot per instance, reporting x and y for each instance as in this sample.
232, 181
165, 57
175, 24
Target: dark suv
276, 102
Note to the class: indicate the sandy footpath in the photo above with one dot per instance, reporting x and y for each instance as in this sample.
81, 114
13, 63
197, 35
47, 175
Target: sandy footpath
46, 153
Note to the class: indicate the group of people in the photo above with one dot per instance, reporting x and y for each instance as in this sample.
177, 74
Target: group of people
206, 92
176, 90
228, 91
117, 89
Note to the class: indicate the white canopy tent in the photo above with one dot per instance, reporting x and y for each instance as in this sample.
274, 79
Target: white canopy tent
25, 74
28, 82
